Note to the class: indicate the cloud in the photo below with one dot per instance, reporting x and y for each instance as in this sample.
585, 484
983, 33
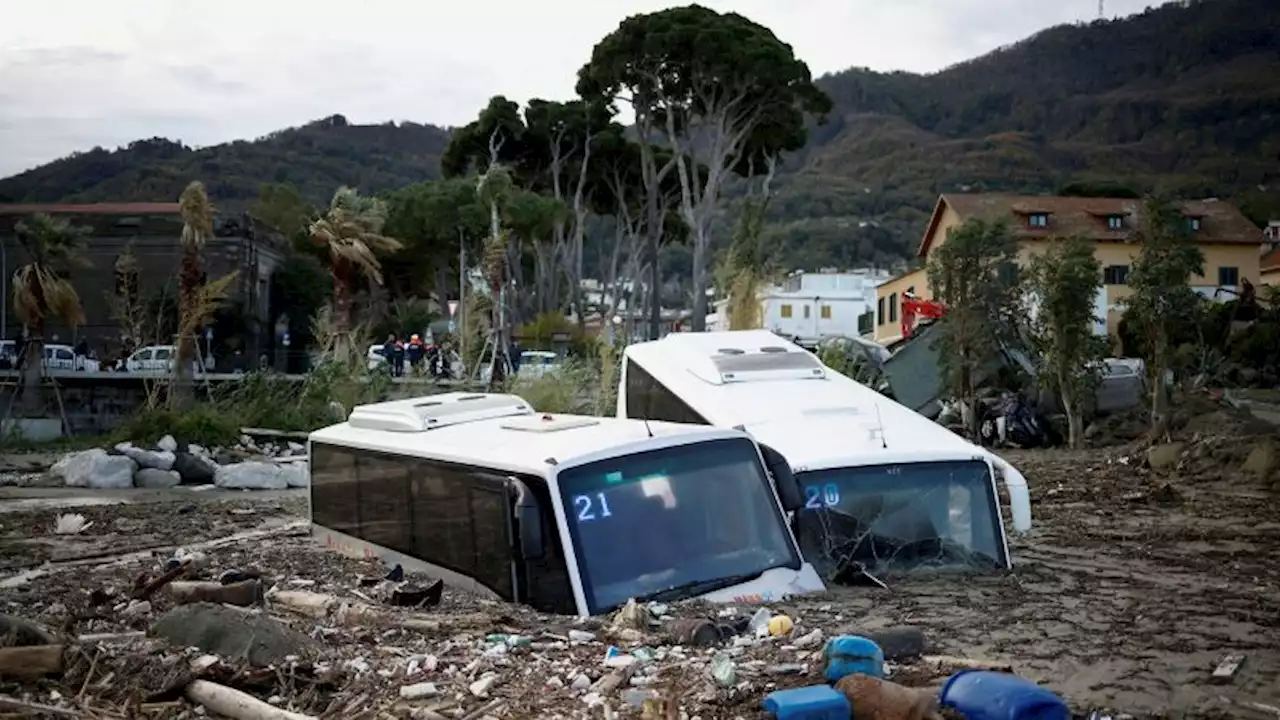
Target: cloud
80, 73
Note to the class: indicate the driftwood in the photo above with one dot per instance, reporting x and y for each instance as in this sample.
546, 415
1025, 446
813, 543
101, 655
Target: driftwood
111, 637
11, 703
968, 663
235, 704
30, 662
145, 591
244, 593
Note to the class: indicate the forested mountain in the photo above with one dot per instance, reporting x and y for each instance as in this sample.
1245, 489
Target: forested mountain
1184, 97
315, 158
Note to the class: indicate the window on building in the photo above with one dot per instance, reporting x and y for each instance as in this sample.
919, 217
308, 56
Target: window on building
880, 319
806, 312
1115, 275
1193, 223
826, 312
1038, 220
785, 311
893, 308
1228, 276
1115, 222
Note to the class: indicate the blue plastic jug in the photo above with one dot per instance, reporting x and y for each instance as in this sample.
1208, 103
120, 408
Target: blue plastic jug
819, 702
849, 654
986, 695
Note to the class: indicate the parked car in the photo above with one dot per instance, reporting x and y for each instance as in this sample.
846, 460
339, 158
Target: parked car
56, 357
157, 358
376, 358
533, 365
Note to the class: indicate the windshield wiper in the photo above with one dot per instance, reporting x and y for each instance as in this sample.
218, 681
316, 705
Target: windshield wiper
693, 588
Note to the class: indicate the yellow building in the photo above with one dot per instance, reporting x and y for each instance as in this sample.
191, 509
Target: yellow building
1270, 268
1232, 245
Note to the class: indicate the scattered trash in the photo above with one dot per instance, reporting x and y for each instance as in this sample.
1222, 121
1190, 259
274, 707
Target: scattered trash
71, 524
987, 695
780, 626
818, 702
849, 654
723, 670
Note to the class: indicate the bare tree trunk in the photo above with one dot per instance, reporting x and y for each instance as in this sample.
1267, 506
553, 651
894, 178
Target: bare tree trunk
1159, 395
1071, 406
343, 292
32, 369
182, 390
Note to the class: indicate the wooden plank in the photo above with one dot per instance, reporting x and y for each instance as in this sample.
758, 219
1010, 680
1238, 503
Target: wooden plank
1226, 669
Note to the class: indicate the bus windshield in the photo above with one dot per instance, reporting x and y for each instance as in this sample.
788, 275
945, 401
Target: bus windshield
884, 518
673, 523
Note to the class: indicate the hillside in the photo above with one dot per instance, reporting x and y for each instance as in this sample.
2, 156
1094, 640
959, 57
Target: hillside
1182, 97
316, 158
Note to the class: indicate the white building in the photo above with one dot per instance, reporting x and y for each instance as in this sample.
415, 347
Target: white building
812, 306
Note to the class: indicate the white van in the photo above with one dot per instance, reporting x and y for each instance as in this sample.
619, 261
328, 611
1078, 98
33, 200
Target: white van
158, 359
883, 487
567, 514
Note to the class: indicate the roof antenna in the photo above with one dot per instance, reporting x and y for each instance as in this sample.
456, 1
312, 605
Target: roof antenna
646, 425
880, 422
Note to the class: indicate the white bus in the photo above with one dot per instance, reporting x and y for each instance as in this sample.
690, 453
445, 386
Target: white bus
567, 514
882, 487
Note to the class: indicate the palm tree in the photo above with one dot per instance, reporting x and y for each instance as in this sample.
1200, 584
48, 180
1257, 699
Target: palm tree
351, 229
42, 290
197, 227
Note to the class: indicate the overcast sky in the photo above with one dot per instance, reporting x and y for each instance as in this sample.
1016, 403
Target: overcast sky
79, 73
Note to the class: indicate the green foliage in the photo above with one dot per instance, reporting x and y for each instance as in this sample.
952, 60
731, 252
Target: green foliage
202, 424
582, 385
1063, 282
1162, 302
973, 274
281, 206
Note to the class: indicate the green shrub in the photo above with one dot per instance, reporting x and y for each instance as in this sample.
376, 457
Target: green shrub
204, 425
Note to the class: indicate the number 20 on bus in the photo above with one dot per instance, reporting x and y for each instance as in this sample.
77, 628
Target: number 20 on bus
816, 498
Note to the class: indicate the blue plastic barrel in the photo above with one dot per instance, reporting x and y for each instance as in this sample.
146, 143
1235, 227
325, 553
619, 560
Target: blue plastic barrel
819, 702
986, 695
849, 654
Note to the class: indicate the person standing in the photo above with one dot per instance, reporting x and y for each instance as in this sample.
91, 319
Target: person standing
416, 352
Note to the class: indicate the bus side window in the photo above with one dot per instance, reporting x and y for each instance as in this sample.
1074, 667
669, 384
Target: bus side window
385, 517
648, 399
442, 526
334, 491
491, 525
545, 580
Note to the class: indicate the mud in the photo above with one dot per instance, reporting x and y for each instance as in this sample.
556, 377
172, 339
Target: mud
1131, 587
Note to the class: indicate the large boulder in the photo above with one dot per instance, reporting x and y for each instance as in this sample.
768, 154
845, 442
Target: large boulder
231, 633
155, 478
95, 469
295, 474
251, 476
194, 469
158, 459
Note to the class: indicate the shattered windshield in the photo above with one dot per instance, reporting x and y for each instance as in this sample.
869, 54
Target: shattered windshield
674, 523
878, 519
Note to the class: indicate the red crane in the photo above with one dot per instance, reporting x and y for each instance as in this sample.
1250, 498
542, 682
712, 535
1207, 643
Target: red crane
914, 307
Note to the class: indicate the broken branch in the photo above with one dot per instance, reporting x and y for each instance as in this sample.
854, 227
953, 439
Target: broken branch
235, 704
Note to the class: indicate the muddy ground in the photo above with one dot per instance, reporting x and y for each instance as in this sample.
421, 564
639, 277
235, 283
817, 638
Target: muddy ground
1132, 586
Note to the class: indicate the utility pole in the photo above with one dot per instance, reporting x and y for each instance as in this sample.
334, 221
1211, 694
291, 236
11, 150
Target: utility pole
1102, 9
462, 302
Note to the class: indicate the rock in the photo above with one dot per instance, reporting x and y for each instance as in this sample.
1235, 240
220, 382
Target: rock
418, 691
168, 444
158, 459
136, 608
95, 469
297, 448
197, 450
295, 474
1164, 457
231, 633
481, 687
1263, 460
194, 469
21, 633
154, 478
252, 476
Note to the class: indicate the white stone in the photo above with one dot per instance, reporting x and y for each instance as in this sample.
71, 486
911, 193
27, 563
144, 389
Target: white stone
481, 687
295, 474
168, 444
158, 459
251, 476
418, 691
156, 478
197, 450
95, 469
297, 448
